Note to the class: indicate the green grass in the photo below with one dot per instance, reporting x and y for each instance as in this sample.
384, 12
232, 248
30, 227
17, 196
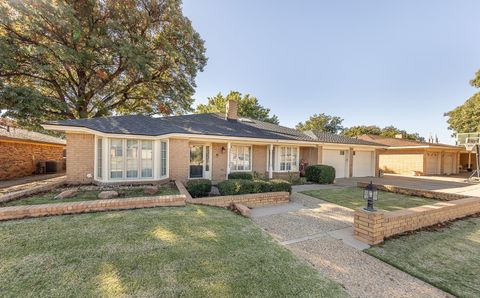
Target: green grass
87, 195
448, 259
352, 197
193, 251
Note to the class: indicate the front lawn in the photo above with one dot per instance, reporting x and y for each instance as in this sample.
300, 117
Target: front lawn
86, 195
448, 258
352, 197
193, 251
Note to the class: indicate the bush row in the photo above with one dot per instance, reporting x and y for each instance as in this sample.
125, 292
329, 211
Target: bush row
243, 186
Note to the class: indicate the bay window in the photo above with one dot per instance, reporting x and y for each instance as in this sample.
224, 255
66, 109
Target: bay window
132, 159
240, 158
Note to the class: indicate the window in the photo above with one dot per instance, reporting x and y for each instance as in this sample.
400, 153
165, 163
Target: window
207, 158
288, 159
163, 157
116, 158
147, 159
241, 158
99, 158
132, 158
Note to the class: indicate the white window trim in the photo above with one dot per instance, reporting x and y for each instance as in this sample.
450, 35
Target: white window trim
277, 159
230, 158
106, 160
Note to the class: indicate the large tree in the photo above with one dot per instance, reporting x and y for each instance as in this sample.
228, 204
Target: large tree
388, 131
466, 117
248, 106
65, 59
321, 122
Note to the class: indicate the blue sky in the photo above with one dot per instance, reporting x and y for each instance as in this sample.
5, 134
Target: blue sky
401, 63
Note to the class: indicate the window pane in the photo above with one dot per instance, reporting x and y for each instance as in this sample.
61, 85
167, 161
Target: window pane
116, 158
240, 158
163, 156
207, 158
99, 158
132, 158
147, 159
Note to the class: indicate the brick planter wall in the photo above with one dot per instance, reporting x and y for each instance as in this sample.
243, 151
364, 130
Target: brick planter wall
442, 196
17, 212
374, 227
249, 200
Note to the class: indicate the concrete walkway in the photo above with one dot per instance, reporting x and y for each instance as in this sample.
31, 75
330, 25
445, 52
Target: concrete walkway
321, 233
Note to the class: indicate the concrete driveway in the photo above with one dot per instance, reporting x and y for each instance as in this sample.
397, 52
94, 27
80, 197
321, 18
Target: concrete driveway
321, 233
449, 184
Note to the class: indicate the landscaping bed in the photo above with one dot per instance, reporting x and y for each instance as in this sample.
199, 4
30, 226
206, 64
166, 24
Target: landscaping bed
88, 193
352, 197
446, 256
195, 251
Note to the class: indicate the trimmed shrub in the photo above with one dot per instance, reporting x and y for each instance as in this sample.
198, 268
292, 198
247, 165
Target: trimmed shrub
241, 175
322, 174
280, 185
199, 187
261, 186
235, 187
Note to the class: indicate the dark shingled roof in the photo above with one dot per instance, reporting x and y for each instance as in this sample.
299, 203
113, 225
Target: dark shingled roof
204, 124
326, 137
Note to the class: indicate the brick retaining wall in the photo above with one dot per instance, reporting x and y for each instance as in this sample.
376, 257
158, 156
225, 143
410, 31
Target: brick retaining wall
17, 212
430, 194
36, 187
249, 200
374, 227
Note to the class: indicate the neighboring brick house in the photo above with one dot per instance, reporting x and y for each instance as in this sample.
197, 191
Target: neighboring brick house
128, 149
20, 150
410, 157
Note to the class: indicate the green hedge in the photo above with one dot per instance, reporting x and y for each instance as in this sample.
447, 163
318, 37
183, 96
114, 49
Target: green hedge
242, 186
322, 174
241, 175
199, 187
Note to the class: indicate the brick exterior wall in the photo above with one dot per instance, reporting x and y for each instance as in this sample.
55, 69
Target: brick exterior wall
18, 159
17, 212
80, 158
219, 162
374, 227
259, 162
311, 155
249, 200
179, 159
403, 162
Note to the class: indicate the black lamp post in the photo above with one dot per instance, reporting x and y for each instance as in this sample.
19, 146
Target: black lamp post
370, 194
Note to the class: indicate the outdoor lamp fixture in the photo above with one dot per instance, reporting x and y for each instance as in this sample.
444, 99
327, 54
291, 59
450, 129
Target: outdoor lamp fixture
223, 149
370, 194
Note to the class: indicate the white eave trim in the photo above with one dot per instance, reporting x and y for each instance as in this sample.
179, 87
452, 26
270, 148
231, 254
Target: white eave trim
425, 147
77, 129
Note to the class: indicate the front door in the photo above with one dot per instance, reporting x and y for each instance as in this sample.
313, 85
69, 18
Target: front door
200, 161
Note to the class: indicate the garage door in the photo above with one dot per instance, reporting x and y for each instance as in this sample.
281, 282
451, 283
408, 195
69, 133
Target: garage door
448, 163
432, 166
363, 164
337, 159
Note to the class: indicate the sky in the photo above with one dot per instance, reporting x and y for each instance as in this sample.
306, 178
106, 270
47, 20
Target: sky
402, 63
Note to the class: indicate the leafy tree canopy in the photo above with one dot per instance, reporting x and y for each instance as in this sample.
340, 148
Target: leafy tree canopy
248, 106
466, 118
388, 131
321, 122
79, 59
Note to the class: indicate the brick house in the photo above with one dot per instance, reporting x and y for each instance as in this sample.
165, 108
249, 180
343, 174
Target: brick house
20, 150
410, 157
128, 149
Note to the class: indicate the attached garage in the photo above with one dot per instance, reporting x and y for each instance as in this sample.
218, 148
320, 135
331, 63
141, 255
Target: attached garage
410, 157
337, 159
363, 164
